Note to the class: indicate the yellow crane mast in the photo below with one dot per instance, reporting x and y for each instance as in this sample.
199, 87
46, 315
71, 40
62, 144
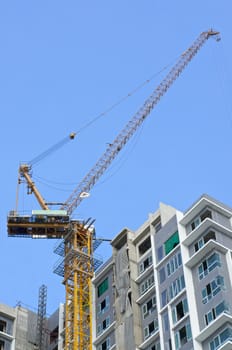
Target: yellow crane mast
78, 237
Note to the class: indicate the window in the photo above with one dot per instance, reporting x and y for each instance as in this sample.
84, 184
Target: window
196, 222
171, 243
204, 240
168, 344
208, 265
103, 306
157, 224
105, 345
174, 263
147, 284
145, 264
2, 345
164, 298
182, 336
160, 253
102, 288
156, 346
176, 286
149, 307
103, 325
215, 312
2, 326
144, 246
212, 288
165, 321
151, 329
179, 310
162, 275
221, 338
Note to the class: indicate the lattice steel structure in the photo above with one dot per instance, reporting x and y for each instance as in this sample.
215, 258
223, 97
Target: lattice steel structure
77, 268
41, 318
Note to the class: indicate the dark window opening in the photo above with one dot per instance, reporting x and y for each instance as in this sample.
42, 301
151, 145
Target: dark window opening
146, 263
209, 235
104, 324
151, 327
104, 346
208, 289
204, 264
2, 326
149, 305
196, 246
179, 310
103, 304
145, 245
183, 335
194, 224
54, 335
207, 214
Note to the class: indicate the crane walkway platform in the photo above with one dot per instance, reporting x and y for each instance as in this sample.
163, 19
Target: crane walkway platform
41, 224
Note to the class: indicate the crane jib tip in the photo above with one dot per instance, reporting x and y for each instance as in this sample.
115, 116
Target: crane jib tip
213, 33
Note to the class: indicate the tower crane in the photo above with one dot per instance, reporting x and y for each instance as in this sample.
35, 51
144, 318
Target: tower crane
78, 236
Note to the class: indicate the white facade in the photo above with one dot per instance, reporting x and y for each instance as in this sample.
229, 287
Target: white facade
169, 283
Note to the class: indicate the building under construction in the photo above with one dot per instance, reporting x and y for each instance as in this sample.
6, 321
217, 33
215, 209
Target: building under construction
167, 285
20, 329
79, 240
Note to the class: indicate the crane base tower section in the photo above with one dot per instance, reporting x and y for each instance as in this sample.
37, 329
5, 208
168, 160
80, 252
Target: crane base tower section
77, 268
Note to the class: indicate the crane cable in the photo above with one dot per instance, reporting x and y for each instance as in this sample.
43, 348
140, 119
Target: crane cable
53, 148
72, 135
52, 184
124, 98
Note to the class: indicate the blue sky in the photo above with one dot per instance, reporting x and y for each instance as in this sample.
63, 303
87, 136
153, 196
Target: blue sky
64, 63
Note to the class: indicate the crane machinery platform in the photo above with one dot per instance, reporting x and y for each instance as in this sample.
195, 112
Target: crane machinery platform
77, 247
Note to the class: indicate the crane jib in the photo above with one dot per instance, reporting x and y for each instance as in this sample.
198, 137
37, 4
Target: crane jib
116, 146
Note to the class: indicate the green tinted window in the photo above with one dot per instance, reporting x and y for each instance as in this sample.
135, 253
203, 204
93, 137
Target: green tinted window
171, 242
102, 287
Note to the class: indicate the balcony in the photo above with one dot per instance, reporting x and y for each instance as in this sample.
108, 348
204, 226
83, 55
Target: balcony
149, 341
105, 333
201, 253
144, 274
213, 327
143, 297
204, 202
203, 227
226, 346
